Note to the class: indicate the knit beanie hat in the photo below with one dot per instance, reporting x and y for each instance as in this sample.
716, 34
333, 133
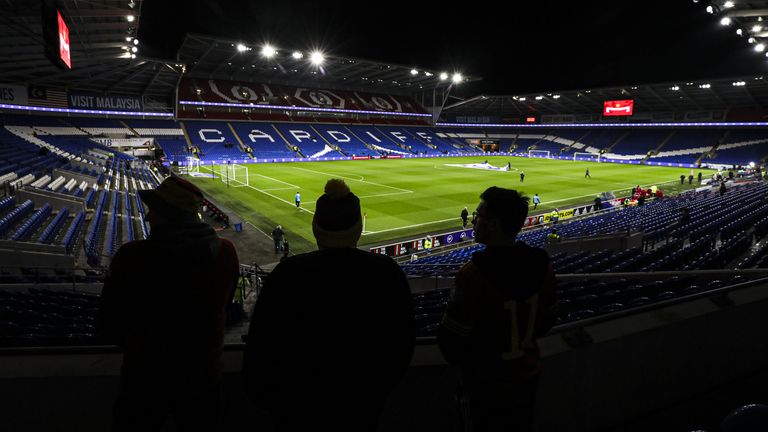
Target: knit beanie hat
175, 198
337, 222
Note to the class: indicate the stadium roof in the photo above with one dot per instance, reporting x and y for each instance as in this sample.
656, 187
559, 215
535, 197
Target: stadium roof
720, 94
215, 58
100, 49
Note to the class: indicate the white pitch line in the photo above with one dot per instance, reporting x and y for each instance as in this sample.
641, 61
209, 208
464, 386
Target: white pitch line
279, 189
257, 229
368, 196
280, 199
412, 226
276, 180
350, 178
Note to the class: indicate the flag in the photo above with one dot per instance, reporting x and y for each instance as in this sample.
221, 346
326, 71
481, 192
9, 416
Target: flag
41, 96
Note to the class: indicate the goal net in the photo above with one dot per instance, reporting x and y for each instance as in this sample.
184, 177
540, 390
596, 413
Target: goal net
586, 157
235, 175
538, 153
191, 165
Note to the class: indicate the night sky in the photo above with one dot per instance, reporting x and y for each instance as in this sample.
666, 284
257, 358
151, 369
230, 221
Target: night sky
520, 48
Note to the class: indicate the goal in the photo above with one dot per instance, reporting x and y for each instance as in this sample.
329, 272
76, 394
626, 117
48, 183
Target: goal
191, 165
234, 175
538, 153
586, 157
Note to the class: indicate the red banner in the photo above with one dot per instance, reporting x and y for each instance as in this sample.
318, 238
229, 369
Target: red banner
360, 157
618, 107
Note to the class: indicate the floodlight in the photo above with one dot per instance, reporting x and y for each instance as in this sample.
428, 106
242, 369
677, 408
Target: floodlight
135, 41
297, 55
675, 88
728, 4
457, 78
128, 39
317, 58
268, 51
760, 47
130, 18
739, 32
241, 48
756, 28
443, 76
725, 21
133, 56
414, 72
751, 40
556, 97
134, 49
539, 97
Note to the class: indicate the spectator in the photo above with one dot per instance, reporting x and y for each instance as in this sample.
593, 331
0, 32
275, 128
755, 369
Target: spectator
554, 216
722, 188
690, 178
499, 357
277, 237
598, 204
700, 175
428, 244
464, 217
553, 236
164, 303
348, 309
682, 178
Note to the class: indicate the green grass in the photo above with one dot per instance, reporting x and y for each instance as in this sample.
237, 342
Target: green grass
404, 198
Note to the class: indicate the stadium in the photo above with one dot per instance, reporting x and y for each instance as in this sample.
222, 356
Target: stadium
657, 191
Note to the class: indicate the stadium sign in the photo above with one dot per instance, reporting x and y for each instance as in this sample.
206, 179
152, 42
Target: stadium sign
109, 102
13, 94
319, 98
417, 245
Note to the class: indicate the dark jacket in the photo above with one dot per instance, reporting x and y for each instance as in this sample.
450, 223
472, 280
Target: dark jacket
498, 283
164, 303
332, 322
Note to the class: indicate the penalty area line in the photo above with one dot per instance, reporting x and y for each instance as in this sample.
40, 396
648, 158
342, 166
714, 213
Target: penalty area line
411, 226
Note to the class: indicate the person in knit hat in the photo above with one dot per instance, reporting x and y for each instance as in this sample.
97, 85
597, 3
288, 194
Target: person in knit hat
164, 303
352, 313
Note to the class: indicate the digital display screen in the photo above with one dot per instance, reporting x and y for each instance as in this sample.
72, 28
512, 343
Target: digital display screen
64, 52
618, 107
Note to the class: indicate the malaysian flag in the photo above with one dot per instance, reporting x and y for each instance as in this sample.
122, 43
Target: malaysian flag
41, 96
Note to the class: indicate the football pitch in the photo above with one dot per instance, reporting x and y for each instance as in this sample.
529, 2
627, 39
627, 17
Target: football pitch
406, 198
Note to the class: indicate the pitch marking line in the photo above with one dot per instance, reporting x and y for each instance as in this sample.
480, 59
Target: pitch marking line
367, 196
278, 181
280, 199
413, 226
354, 179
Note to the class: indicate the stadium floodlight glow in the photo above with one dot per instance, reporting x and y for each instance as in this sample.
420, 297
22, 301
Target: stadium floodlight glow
241, 48
443, 76
317, 58
521, 99
130, 18
759, 47
297, 55
756, 28
133, 56
766, 54
739, 32
134, 49
555, 96
268, 51
457, 78
738, 83
705, 86
710, 9
539, 97
675, 88
751, 40
128, 39
414, 72
725, 21
429, 74
729, 4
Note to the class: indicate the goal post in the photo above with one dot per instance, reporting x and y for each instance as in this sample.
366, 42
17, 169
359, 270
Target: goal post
586, 157
539, 154
234, 175
190, 166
